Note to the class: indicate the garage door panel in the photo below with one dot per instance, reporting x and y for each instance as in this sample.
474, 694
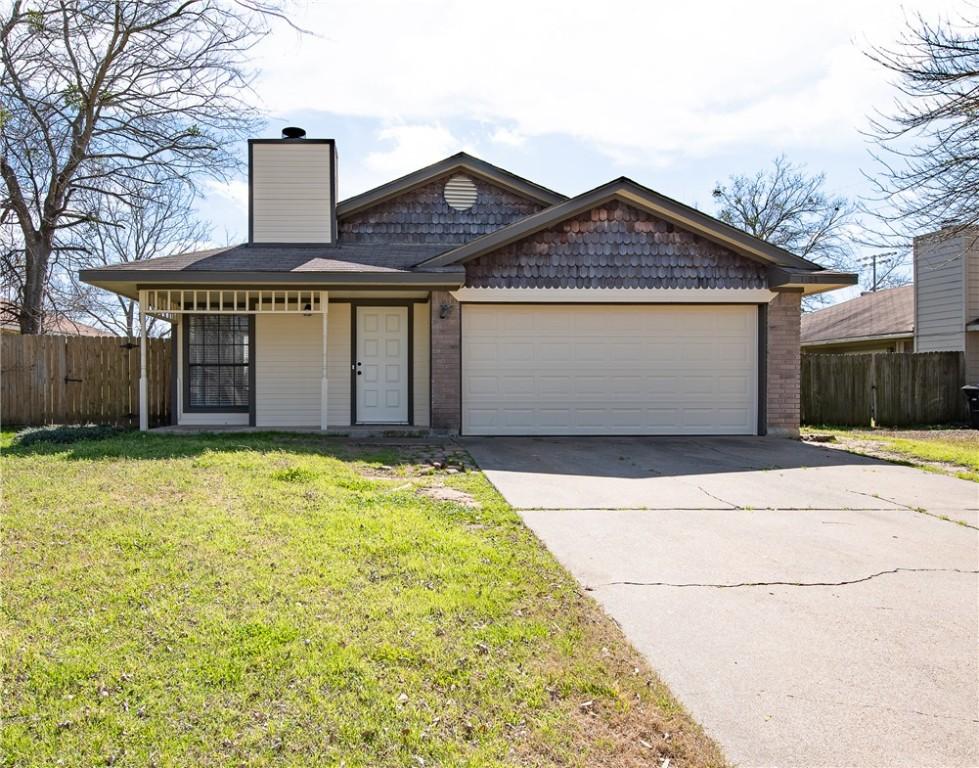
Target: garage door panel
588, 369
517, 386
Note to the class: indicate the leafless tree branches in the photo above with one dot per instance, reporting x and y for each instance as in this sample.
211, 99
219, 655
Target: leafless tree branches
144, 226
927, 146
789, 208
101, 98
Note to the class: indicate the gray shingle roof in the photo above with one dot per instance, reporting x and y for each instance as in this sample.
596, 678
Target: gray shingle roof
348, 257
884, 313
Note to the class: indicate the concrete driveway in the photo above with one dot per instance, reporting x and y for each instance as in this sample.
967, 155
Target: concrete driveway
808, 606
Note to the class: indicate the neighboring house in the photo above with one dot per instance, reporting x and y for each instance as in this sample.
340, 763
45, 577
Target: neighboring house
946, 281
881, 321
54, 326
463, 298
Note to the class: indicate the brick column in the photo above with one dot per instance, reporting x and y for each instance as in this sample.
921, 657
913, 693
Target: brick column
446, 363
784, 322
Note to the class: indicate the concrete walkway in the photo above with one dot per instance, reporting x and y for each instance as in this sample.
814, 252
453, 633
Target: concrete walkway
809, 607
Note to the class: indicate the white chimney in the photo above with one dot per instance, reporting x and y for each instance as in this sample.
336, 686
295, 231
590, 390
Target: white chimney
292, 189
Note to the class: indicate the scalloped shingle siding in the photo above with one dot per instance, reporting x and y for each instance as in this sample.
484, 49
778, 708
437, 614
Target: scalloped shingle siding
423, 216
614, 246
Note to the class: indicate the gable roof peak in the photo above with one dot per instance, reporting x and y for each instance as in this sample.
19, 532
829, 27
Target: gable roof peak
644, 198
460, 160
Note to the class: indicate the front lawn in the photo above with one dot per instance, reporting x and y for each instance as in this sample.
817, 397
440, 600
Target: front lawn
251, 600
950, 451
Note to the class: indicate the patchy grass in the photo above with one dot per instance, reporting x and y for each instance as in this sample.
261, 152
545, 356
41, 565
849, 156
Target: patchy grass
252, 600
949, 451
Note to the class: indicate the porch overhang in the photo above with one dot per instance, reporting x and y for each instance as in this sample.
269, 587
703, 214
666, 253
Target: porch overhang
129, 282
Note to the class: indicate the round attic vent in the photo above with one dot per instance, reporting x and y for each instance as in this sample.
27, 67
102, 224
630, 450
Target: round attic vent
460, 193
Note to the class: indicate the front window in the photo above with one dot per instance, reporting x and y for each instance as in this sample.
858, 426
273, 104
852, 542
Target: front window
217, 362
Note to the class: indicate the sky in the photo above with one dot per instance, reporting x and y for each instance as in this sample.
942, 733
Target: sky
571, 94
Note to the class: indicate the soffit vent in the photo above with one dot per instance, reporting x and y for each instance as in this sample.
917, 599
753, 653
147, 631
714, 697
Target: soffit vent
460, 193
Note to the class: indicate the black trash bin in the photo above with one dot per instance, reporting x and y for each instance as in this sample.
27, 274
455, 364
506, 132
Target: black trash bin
972, 395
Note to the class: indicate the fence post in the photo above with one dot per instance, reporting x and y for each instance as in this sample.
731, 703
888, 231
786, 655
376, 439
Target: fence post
873, 390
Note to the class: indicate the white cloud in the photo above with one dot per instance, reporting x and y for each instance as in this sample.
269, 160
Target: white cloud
235, 191
638, 79
415, 146
508, 137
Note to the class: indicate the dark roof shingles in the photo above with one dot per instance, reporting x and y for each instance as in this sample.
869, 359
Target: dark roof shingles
883, 313
348, 257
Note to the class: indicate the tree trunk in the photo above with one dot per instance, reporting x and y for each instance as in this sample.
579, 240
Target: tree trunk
38, 254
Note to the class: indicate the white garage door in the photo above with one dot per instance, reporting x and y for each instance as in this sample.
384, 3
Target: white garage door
606, 370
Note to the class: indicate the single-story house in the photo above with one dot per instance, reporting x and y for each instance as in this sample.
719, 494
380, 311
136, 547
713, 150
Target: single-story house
463, 298
879, 321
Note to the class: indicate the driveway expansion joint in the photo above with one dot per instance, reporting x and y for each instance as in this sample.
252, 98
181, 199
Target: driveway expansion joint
591, 588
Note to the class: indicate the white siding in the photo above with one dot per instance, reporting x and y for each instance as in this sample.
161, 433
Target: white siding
213, 420
291, 193
971, 245
288, 359
288, 356
338, 366
422, 342
939, 294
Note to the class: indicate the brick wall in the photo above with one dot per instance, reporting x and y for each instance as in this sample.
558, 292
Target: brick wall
446, 363
784, 320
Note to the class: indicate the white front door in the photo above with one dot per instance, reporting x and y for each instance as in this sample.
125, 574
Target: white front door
382, 365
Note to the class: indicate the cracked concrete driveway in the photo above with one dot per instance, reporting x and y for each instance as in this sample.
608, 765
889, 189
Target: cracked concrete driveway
810, 607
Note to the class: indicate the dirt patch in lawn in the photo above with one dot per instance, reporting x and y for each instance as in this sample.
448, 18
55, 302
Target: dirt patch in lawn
415, 459
968, 438
878, 450
946, 451
445, 493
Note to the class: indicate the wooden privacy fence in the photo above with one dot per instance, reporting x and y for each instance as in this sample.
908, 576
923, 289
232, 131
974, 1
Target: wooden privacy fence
890, 390
80, 380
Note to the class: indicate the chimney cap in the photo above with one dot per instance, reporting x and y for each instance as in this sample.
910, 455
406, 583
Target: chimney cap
292, 132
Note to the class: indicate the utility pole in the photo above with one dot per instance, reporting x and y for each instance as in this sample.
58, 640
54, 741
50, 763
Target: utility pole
883, 258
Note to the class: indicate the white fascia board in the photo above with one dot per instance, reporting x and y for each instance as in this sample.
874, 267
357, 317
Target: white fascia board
616, 295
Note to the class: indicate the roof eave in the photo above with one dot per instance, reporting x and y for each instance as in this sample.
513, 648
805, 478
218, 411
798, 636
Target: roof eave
128, 282
810, 282
897, 336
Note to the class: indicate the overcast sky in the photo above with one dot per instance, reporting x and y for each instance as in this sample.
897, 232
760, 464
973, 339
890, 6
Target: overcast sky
571, 94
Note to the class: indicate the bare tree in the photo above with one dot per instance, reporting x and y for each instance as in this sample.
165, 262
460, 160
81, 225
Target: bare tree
99, 97
155, 220
927, 155
789, 208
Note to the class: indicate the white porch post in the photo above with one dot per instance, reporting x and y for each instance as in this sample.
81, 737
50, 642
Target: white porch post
324, 384
144, 413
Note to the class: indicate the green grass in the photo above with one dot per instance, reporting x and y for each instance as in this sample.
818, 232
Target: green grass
958, 448
938, 451
252, 600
